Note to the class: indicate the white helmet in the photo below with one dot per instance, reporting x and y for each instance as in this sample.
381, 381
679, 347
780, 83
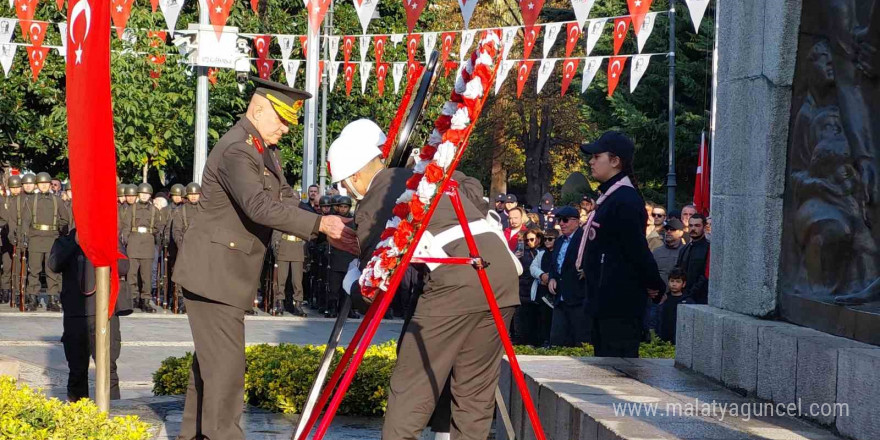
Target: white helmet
355, 147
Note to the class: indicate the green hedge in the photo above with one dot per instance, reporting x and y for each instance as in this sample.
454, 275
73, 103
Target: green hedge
278, 378
27, 414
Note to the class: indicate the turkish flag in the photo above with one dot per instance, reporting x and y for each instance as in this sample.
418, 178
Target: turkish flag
347, 45
317, 10
446, 46
638, 9
261, 42
157, 60
304, 42
59, 4
621, 26
25, 9
320, 71
412, 46
218, 13
530, 11
264, 67
448, 67
530, 34
522, 74
157, 38
37, 58
381, 73
255, 6
701, 185
615, 68
91, 150
413, 10
120, 10
379, 42
37, 32
212, 75
348, 69
154, 4
413, 67
569, 69
573, 34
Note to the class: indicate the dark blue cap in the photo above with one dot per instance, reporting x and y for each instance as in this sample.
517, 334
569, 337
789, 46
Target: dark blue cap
566, 211
612, 142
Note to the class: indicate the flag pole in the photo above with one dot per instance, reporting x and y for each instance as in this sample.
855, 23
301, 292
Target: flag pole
102, 338
670, 177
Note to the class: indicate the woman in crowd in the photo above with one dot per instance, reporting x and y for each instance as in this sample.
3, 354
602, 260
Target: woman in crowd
527, 316
540, 271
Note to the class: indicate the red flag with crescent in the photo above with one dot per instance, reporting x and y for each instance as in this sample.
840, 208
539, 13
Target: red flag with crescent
522, 74
91, 148
37, 32
261, 43
638, 9
25, 9
569, 69
317, 10
413, 10
381, 73
264, 67
120, 10
157, 60
573, 34
621, 26
615, 68
347, 46
412, 67
530, 34
412, 46
304, 43
37, 58
530, 11
449, 66
157, 38
379, 42
218, 13
446, 45
348, 71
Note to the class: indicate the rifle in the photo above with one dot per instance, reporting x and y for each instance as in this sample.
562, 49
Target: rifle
164, 268
176, 294
22, 274
274, 269
12, 278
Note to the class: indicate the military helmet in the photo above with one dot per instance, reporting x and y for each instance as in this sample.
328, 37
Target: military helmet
14, 181
145, 188
120, 189
340, 199
131, 190
193, 188
325, 201
44, 177
176, 189
29, 178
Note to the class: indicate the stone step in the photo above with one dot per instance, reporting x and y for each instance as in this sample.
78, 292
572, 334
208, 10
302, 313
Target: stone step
616, 398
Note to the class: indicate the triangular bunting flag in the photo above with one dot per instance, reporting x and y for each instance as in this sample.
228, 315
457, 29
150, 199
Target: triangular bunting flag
364, 46
467, 10
261, 43
544, 72
569, 70
530, 10
334, 73
574, 34
412, 46
530, 35
429, 40
365, 9
37, 32
366, 67
507, 36
317, 10
397, 75
647, 27
62, 30
413, 10
37, 58
615, 68
7, 54
551, 31
255, 6
697, 9
285, 42
506, 65
347, 46
412, 67
171, 10
638, 9
467, 38
156, 38
448, 66
218, 13
291, 67
379, 42
446, 46
7, 28
348, 76
334, 47
212, 75
120, 10
397, 38
621, 26
522, 74
304, 43
381, 73
60, 4
264, 67
594, 31
582, 10
24, 10
637, 70
320, 72
591, 66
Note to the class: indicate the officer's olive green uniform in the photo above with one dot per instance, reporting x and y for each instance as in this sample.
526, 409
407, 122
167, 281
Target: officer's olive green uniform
143, 223
46, 217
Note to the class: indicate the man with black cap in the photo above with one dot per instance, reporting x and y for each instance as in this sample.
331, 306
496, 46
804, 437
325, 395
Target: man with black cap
222, 254
545, 212
618, 268
570, 326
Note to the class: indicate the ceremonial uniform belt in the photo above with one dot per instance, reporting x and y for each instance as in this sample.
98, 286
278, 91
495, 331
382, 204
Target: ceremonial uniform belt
141, 230
292, 238
44, 227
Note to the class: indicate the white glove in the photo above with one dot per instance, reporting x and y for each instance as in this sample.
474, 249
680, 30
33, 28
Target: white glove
352, 276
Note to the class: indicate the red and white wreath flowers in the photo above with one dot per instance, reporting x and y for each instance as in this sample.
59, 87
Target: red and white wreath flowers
451, 129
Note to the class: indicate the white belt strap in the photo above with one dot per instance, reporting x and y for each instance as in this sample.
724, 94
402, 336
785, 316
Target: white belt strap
432, 245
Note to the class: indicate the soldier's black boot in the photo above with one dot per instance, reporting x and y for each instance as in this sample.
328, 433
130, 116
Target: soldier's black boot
30, 304
53, 305
278, 309
181, 307
297, 310
4, 296
144, 305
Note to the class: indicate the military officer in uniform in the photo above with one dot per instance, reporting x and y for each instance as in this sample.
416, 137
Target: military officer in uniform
338, 262
325, 204
176, 193
6, 248
289, 257
181, 219
13, 207
452, 333
120, 194
47, 218
29, 183
222, 254
143, 223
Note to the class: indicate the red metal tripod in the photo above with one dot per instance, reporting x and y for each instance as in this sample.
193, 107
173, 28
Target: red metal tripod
368, 327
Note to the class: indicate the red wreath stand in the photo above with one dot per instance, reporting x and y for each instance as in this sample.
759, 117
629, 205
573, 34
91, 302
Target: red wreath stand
370, 324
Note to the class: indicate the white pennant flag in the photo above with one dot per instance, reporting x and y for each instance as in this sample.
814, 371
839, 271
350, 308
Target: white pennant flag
467, 38
544, 71
290, 69
551, 31
171, 10
397, 73
507, 36
594, 31
286, 43
645, 31
591, 66
365, 46
7, 29
365, 9
429, 40
697, 9
334, 72
7, 53
396, 38
637, 69
334, 47
582, 10
506, 65
62, 30
467, 10
366, 67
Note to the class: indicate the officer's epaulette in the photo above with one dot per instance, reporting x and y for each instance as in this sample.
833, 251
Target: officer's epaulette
251, 140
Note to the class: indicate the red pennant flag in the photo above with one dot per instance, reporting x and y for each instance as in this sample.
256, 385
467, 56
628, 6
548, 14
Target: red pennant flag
621, 26
530, 11
157, 60
320, 71
120, 10
91, 148
349, 76
530, 34
525, 67
379, 42
255, 6
264, 67
638, 9
347, 46
304, 43
60, 4
574, 34
413, 10
701, 186
446, 45
412, 68
37, 57
569, 70
157, 38
615, 68
261, 42
25, 9
212, 75
381, 72
37, 32
218, 13
412, 46
154, 4
449, 66
317, 10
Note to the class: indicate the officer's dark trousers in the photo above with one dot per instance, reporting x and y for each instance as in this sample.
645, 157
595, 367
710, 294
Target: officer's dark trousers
6, 272
617, 337
570, 327
140, 286
335, 289
215, 396
35, 266
295, 270
469, 347
79, 344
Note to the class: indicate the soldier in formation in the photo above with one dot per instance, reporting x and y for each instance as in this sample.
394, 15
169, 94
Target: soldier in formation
142, 224
46, 217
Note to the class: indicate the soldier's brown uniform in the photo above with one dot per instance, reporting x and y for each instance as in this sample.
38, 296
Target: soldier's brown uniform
142, 224
289, 256
218, 266
452, 329
13, 207
46, 217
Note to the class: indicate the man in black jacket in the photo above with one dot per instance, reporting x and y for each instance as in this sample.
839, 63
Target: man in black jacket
570, 327
693, 257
